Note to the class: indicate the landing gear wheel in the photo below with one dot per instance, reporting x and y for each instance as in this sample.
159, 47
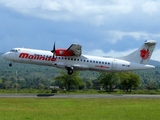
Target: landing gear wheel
70, 71
10, 64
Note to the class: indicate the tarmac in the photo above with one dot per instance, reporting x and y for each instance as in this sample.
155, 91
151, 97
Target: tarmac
107, 96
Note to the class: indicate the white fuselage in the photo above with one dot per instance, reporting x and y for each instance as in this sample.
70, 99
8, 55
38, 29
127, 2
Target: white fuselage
84, 62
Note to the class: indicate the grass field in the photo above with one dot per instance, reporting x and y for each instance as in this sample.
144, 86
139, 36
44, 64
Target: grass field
79, 109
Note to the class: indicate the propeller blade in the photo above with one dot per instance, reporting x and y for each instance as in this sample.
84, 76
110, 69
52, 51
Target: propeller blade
54, 49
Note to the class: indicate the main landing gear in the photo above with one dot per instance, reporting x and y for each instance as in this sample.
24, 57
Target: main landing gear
70, 70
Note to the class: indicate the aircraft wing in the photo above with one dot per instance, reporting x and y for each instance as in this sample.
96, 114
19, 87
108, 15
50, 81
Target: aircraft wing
76, 49
80, 67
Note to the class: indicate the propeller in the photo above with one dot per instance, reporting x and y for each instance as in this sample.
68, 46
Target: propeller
54, 50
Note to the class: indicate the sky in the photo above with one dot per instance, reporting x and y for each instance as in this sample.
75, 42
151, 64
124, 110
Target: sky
102, 27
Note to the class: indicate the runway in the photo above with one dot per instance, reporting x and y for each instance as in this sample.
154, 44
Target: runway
83, 96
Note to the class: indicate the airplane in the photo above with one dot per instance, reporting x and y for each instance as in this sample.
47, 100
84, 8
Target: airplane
72, 58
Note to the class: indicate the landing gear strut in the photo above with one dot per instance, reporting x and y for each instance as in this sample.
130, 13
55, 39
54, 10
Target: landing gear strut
70, 70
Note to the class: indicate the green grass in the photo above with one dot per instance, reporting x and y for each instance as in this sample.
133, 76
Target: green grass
79, 109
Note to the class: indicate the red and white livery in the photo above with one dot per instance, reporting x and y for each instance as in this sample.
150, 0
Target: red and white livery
72, 59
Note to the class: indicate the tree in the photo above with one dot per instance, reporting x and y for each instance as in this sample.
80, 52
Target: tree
69, 80
151, 86
97, 84
1, 83
89, 84
7, 84
129, 80
15, 85
41, 86
109, 80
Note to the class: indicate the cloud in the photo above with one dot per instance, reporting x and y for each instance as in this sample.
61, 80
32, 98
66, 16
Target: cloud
102, 24
156, 55
111, 53
151, 7
87, 11
119, 35
93, 11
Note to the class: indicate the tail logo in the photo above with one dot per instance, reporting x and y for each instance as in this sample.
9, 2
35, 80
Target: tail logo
144, 54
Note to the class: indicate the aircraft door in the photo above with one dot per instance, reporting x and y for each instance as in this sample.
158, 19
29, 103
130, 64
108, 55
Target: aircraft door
114, 65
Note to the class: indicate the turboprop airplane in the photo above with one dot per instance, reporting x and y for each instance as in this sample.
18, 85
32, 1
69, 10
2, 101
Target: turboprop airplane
72, 59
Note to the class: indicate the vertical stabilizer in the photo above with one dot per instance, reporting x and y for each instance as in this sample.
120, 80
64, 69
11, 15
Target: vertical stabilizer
143, 54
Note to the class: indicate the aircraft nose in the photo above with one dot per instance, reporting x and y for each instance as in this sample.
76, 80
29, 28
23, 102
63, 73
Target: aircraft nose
4, 55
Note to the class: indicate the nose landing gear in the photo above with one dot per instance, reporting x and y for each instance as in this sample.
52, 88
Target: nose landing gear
10, 64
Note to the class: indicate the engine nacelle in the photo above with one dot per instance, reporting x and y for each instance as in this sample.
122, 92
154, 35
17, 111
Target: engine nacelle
63, 52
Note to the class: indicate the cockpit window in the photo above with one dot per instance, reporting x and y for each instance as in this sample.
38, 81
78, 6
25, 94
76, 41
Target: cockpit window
13, 50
